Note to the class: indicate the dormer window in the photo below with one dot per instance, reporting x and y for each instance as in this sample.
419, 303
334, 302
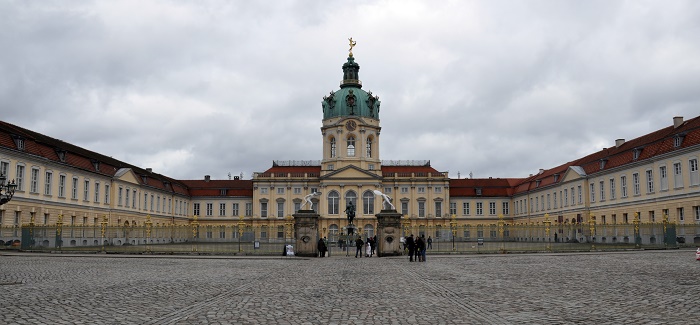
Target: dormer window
61, 155
96, 164
678, 140
636, 153
602, 163
19, 142
478, 191
223, 192
537, 183
556, 177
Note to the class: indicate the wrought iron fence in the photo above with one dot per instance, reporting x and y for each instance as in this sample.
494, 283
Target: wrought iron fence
262, 240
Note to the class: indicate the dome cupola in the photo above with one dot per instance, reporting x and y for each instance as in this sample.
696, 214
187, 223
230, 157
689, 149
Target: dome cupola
350, 99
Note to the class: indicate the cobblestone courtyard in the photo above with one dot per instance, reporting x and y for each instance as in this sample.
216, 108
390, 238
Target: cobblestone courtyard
651, 287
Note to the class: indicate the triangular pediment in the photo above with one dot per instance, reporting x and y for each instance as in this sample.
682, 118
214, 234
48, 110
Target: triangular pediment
573, 173
127, 175
350, 172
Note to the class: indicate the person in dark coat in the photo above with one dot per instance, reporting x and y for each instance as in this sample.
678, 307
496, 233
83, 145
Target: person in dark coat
321, 247
411, 247
374, 244
358, 244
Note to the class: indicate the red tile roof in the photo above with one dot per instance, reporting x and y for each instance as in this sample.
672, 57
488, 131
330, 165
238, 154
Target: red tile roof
388, 170
649, 145
40, 145
490, 187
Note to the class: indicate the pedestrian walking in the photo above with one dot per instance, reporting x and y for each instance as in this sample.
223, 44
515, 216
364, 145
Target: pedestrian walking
430, 243
358, 245
420, 244
411, 247
374, 244
321, 247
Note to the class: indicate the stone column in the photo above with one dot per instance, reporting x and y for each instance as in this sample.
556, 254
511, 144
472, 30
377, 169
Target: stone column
388, 233
306, 229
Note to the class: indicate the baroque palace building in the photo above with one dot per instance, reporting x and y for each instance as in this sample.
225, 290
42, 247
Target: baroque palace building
650, 178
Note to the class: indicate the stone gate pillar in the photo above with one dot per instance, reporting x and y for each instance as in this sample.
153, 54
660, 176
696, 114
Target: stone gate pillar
388, 233
306, 229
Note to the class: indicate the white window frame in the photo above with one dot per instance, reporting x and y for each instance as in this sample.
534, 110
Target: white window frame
677, 175
34, 181
694, 173
650, 181
612, 189
48, 182
61, 185
663, 178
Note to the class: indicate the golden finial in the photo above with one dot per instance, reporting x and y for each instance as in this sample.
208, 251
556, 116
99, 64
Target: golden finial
352, 44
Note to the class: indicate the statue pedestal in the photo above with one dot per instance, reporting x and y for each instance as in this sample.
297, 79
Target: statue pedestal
388, 233
306, 229
351, 230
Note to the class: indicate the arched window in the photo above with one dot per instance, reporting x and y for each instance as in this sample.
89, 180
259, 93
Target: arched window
351, 196
333, 147
351, 146
369, 230
369, 147
333, 199
368, 202
333, 233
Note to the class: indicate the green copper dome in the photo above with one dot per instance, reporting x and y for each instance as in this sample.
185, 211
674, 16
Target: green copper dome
351, 100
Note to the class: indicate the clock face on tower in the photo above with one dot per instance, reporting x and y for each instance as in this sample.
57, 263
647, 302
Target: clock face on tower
350, 125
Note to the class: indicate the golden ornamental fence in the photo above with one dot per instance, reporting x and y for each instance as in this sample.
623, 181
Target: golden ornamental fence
249, 239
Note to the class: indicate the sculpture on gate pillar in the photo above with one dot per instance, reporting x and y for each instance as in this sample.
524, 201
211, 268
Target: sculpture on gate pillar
307, 200
387, 200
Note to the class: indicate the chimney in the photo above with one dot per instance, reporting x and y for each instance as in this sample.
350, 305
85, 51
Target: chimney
619, 142
150, 170
207, 178
541, 171
677, 121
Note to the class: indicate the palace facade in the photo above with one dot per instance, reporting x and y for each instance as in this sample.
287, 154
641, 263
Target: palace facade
650, 178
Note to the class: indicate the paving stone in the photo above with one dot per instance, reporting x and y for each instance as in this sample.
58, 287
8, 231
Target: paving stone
648, 287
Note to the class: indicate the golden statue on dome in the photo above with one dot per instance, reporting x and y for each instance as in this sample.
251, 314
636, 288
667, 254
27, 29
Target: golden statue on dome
352, 44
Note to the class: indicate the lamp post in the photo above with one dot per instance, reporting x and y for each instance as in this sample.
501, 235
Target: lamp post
195, 228
103, 228
241, 223
547, 230
637, 237
149, 224
453, 227
501, 226
591, 226
7, 190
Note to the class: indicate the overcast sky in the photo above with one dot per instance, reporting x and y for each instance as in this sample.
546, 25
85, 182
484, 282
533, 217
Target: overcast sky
496, 88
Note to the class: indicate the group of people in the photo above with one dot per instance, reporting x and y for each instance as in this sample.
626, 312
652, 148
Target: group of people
416, 248
370, 246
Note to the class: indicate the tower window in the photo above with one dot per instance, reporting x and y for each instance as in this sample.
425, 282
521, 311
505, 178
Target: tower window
333, 147
369, 148
351, 146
